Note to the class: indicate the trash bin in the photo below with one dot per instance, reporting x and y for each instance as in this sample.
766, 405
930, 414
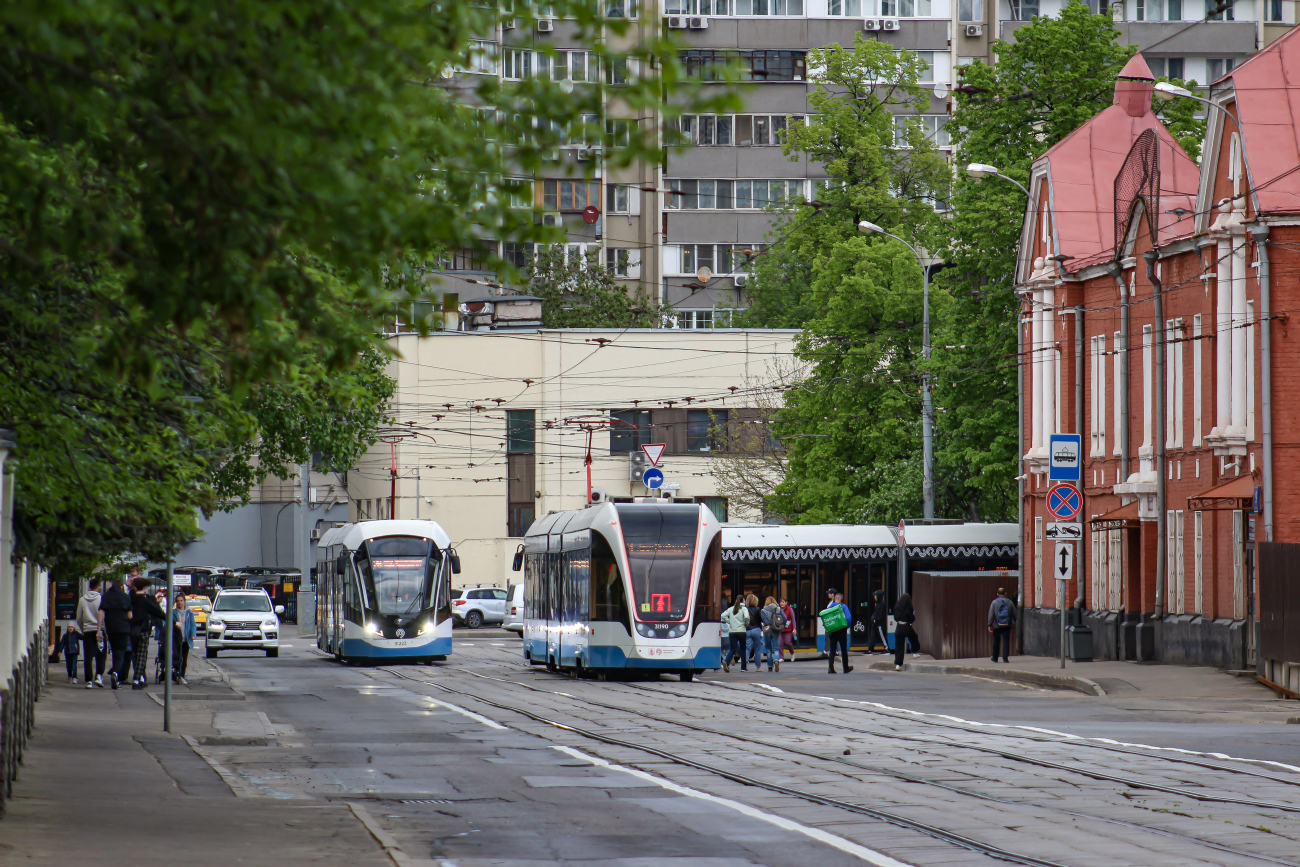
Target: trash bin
1078, 643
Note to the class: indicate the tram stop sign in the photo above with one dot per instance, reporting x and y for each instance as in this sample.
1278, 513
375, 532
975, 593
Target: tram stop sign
1064, 464
653, 478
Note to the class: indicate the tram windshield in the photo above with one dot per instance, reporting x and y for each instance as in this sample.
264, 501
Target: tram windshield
660, 550
398, 570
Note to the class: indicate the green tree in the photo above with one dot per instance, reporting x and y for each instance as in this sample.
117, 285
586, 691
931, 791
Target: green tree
580, 293
881, 167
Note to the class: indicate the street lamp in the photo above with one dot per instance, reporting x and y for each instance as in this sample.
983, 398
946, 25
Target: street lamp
1167, 92
927, 410
978, 171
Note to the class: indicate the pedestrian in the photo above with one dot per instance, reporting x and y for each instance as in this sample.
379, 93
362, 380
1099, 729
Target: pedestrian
184, 631
92, 637
904, 617
1002, 617
70, 647
879, 623
736, 619
773, 626
839, 636
754, 635
787, 634
115, 624
145, 610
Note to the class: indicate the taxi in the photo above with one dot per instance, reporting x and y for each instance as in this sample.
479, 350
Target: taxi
200, 606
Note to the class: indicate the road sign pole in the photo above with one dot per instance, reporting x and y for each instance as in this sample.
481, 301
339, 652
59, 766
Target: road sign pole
1063, 585
168, 650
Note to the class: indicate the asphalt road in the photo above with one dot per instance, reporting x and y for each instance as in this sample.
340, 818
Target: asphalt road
483, 760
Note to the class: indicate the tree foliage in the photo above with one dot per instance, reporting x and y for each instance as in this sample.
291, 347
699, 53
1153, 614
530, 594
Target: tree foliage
577, 292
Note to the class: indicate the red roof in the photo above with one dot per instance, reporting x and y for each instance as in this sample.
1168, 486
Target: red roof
1268, 103
1082, 168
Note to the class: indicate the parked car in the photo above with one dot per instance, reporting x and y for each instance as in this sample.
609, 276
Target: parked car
479, 605
243, 620
515, 609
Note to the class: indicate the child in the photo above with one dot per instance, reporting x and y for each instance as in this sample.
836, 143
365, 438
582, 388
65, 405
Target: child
70, 647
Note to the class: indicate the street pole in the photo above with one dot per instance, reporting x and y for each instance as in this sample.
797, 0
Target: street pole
1063, 585
168, 651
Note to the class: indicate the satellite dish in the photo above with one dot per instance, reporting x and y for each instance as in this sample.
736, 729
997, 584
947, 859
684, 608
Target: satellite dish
447, 72
941, 90
590, 215
566, 86
704, 274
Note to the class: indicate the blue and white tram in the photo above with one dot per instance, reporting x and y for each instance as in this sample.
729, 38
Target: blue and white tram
624, 586
383, 590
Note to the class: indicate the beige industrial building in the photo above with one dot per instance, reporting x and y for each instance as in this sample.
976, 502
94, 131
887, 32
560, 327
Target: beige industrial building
491, 427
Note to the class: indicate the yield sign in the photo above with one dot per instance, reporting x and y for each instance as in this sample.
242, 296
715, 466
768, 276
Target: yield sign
654, 452
1064, 502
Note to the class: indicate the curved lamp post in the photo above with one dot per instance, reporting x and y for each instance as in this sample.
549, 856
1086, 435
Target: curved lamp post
979, 171
927, 410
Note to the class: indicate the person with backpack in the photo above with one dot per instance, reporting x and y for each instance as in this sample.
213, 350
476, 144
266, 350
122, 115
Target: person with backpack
754, 636
787, 634
773, 626
1002, 617
879, 623
839, 636
904, 617
735, 620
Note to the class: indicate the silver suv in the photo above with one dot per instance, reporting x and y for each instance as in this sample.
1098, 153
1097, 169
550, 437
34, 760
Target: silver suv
479, 605
243, 620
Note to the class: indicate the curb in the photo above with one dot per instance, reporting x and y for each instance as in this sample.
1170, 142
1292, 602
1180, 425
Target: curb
1059, 681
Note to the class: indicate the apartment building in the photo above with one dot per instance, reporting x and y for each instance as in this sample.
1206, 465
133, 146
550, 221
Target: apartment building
1155, 325
493, 428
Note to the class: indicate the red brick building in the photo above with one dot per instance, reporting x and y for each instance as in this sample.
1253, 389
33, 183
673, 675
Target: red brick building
1155, 302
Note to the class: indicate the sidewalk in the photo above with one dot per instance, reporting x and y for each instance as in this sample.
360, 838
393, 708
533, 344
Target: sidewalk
102, 784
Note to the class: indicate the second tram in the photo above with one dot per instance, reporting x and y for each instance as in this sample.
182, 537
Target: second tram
624, 586
383, 590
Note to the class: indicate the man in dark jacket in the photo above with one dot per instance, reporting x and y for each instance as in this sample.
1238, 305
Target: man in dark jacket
904, 617
146, 613
879, 627
115, 623
1002, 617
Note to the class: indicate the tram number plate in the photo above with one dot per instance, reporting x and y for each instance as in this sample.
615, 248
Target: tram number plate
400, 643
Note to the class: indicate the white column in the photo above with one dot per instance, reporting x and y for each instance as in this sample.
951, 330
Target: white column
1049, 365
1237, 425
1036, 365
1223, 339
7, 570
20, 611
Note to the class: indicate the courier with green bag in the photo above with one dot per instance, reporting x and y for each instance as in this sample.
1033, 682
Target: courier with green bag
836, 620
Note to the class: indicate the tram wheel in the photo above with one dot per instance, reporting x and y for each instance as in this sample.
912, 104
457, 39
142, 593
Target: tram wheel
686, 676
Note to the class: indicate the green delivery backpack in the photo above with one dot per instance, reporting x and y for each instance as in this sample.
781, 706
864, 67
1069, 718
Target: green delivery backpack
833, 619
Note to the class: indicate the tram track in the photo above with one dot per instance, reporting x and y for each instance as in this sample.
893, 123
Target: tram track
899, 775
1198, 842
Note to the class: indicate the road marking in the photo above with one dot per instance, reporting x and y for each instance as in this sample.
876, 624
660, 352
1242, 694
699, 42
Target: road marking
490, 723
385, 840
769, 686
848, 847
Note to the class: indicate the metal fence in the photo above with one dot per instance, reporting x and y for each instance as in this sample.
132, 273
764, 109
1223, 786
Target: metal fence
952, 610
1278, 604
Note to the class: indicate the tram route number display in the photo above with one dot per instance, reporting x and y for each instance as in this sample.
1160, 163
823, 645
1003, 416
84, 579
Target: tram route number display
660, 603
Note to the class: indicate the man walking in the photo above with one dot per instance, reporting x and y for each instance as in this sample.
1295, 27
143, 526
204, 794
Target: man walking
115, 623
879, 623
838, 637
1002, 617
92, 639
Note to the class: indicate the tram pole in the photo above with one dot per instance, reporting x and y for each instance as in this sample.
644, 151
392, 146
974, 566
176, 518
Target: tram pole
168, 650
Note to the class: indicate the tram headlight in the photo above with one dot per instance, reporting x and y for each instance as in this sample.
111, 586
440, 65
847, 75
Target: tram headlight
425, 627
661, 630
374, 629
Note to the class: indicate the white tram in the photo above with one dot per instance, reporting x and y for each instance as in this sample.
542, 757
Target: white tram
383, 590
624, 586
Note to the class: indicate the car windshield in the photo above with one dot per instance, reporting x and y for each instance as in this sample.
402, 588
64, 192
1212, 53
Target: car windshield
399, 569
205, 604
243, 602
660, 551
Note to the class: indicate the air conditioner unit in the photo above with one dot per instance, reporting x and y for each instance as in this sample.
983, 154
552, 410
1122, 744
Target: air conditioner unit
676, 22
545, 25
315, 534
583, 154
637, 464
871, 24
974, 29
699, 24
740, 280
510, 24
552, 218
889, 24
598, 495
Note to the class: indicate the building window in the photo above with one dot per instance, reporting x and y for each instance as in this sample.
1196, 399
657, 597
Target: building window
850, 8
744, 130
705, 428
1273, 11
462, 259
1168, 67
970, 10
1024, 10
618, 198
630, 431
623, 261
934, 126
520, 519
721, 259
757, 65
521, 431
717, 505
1098, 402
620, 8
1148, 398
1219, 10
519, 255
726, 195
905, 8
569, 195
1174, 380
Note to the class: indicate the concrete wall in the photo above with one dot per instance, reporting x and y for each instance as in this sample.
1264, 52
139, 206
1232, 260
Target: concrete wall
1183, 639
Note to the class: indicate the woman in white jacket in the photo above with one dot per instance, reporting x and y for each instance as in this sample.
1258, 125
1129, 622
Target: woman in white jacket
736, 621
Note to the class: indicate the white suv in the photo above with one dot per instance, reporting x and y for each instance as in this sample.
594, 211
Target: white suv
515, 609
243, 620
479, 605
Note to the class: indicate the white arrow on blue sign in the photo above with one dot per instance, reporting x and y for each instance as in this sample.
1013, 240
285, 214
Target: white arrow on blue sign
653, 478
1066, 462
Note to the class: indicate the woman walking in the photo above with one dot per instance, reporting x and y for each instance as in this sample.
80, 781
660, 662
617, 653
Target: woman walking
754, 636
736, 621
773, 625
904, 617
184, 631
787, 634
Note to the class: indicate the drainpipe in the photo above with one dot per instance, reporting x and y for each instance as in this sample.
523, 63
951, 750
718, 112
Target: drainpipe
1078, 428
1161, 554
1260, 233
1020, 454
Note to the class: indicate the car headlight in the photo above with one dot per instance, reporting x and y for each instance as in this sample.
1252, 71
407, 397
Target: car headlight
215, 623
270, 623
374, 629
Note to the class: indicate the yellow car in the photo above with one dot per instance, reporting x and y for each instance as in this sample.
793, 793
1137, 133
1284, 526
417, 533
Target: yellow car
201, 606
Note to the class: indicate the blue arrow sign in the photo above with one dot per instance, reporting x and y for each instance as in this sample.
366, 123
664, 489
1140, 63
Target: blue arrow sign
653, 477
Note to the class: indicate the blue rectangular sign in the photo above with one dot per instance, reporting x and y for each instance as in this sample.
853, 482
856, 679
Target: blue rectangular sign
1065, 462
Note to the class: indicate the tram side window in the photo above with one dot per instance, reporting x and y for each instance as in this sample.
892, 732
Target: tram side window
580, 570
708, 596
532, 587
609, 597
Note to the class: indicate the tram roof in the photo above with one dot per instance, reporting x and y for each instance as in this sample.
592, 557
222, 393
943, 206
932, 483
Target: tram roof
352, 535
864, 535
